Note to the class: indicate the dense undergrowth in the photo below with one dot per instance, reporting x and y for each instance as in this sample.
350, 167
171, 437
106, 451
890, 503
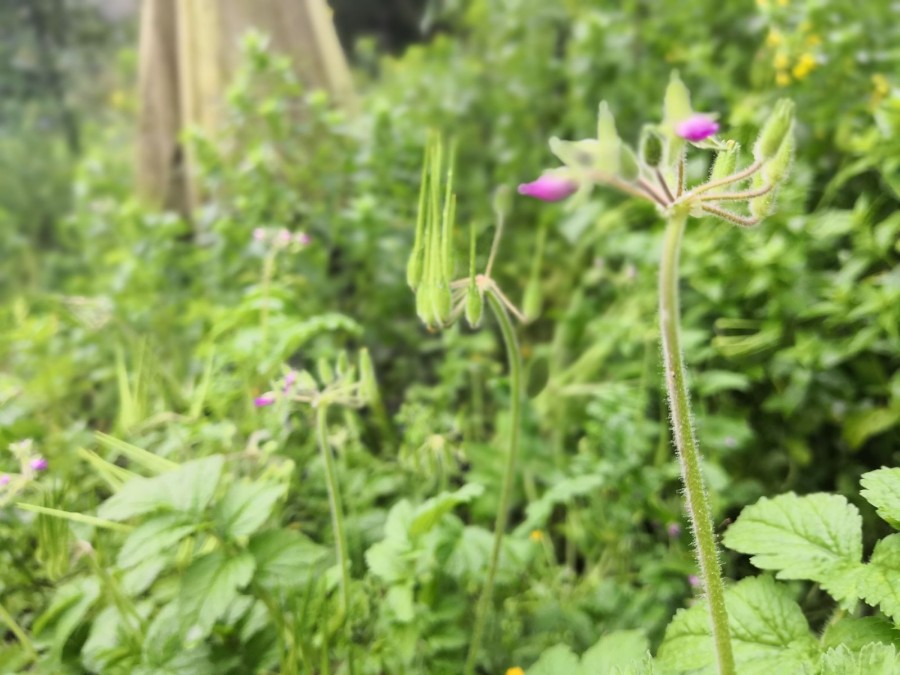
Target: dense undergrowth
136, 343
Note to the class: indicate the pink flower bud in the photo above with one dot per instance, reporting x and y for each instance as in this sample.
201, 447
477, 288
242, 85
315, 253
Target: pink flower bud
289, 380
264, 400
38, 464
549, 188
302, 238
674, 530
693, 580
4, 479
284, 237
259, 234
697, 127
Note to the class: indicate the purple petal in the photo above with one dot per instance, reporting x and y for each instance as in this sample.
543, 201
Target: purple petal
290, 379
697, 127
38, 464
264, 400
549, 188
4, 479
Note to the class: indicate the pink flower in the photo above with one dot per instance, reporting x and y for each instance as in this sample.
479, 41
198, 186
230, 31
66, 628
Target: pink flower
289, 380
549, 188
697, 127
259, 234
284, 236
4, 479
38, 464
302, 238
674, 530
264, 400
693, 580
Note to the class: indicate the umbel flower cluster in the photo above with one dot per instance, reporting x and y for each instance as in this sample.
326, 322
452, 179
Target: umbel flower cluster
656, 172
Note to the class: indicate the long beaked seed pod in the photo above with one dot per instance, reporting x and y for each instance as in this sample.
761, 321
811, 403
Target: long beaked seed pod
774, 131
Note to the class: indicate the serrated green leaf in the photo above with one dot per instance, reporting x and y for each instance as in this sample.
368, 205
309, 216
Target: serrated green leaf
816, 537
880, 580
860, 426
768, 631
187, 489
284, 559
881, 488
873, 659
555, 661
246, 506
209, 586
153, 536
428, 514
856, 632
615, 652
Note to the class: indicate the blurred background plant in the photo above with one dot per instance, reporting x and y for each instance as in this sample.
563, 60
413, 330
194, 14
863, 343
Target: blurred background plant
131, 328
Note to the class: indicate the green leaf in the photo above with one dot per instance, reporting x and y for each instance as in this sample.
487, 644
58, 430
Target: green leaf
768, 631
557, 660
816, 537
428, 514
209, 586
71, 603
860, 426
246, 506
284, 559
623, 649
881, 488
856, 632
537, 512
187, 489
880, 580
873, 659
400, 600
153, 536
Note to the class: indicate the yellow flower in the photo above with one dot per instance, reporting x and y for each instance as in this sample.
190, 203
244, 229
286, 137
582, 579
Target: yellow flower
782, 79
813, 40
781, 61
804, 66
515, 670
774, 38
536, 535
881, 85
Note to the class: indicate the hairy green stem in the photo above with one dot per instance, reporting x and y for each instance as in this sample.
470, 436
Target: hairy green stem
696, 498
337, 521
515, 411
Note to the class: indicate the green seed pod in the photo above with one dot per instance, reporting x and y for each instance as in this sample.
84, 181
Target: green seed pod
677, 101
760, 207
442, 301
725, 162
629, 168
425, 304
774, 131
325, 371
531, 303
606, 124
474, 305
778, 168
343, 367
367, 381
651, 148
414, 267
448, 257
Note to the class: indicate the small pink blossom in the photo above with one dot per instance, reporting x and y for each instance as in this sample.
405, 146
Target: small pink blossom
289, 380
697, 127
38, 464
694, 580
549, 188
284, 237
4, 479
674, 530
302, 238
259, 234
264, 400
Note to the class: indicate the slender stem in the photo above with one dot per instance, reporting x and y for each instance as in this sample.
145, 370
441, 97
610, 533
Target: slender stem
679, 189
686, 445
268, 272
728, 180
737, 196
18, 631
646, 187
663, 184
514, 357
337, 521
495, 244
735, 218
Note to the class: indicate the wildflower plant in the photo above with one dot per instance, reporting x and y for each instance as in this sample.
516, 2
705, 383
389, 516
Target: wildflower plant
441, 299
741, 195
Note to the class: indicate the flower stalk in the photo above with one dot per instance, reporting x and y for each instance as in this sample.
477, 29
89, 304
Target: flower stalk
696, 498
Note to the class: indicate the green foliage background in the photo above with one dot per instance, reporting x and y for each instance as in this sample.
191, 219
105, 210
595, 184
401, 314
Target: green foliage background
137, 324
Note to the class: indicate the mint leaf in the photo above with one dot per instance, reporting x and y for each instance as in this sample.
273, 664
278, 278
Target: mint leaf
881, 489
880, 580
616, 652
873, 659
246, 506
188, 489
209, 586
768, 631
816, 537
854, 633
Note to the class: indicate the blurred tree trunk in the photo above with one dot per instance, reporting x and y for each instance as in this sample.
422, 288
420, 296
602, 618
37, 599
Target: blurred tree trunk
189, 49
